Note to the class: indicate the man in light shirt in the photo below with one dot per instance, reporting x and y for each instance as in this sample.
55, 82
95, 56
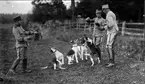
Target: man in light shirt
112, 30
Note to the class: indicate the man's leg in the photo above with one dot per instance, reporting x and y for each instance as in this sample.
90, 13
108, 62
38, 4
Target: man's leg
111, 55
24, 62
17, 61
110, 49
98, 41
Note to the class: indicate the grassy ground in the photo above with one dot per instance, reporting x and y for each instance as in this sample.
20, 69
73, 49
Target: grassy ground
126, 71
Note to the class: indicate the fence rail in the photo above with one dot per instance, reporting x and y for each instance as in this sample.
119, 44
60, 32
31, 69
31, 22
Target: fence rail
135, 29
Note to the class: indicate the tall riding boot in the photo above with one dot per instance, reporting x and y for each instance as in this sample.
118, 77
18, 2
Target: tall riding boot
15, 64
24, 66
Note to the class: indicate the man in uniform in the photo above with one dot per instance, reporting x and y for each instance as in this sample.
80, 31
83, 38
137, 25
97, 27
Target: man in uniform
21, 37
112, 30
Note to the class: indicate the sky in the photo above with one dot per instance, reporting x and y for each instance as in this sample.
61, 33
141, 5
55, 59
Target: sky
20, 6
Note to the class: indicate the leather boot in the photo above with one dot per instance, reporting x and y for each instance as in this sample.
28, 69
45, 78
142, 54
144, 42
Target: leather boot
14, 66
24, 66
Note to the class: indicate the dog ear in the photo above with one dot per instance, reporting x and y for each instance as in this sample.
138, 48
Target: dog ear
71, 41
51, 50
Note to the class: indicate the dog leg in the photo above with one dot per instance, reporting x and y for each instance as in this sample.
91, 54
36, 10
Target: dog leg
82, 54
72, 57
69, 60
92, 61
54, 66
79, 53
86, 54
76, 57
62, 60
98, 60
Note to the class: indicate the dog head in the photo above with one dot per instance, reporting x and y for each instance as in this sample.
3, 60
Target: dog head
89, 40
71, 41
52, 50
86, 39
76, 41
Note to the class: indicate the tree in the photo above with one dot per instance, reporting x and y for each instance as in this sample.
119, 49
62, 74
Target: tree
124, 9
73, 9
44, 10
88, 7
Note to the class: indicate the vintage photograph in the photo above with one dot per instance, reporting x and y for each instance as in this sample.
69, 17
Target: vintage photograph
72, 42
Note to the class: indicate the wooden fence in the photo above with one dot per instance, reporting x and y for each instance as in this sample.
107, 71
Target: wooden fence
129, 29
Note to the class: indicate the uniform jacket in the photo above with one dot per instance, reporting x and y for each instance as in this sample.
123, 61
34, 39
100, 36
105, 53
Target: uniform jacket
111, 23
18, 33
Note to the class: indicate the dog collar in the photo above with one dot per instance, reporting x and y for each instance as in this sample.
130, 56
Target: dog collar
74, 45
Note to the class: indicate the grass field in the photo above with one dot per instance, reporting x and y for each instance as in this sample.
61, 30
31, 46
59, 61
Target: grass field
127, 70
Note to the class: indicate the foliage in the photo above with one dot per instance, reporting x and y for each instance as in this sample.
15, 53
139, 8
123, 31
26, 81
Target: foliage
88, 7
46, 11
125, 10
7, 19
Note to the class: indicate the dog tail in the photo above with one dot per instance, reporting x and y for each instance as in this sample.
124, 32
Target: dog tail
44, 67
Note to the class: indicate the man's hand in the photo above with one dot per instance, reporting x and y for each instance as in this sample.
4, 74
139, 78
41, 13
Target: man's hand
87, 19
28, 38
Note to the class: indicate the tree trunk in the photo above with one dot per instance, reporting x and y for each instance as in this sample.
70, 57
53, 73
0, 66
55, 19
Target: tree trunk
73, 9
143, 52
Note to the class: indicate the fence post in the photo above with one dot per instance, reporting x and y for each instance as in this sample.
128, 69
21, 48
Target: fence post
85, 26
64, 27
123, 28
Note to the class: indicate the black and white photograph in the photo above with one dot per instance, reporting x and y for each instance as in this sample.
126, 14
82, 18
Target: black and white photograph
72, 41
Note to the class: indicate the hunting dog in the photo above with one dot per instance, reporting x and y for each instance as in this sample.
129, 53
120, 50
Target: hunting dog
58, 59
83, 50
74, 52
94, 50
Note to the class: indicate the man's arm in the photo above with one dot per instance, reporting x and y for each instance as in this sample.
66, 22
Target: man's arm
110, 21
91, 20
18, 35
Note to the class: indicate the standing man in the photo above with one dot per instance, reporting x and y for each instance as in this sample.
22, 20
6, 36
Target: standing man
98, 30
112, 30
21, 37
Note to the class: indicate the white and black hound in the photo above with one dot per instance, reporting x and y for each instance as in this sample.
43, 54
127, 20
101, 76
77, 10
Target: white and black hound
94, 50
58, 59
70, 56
73, 52
83, 50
